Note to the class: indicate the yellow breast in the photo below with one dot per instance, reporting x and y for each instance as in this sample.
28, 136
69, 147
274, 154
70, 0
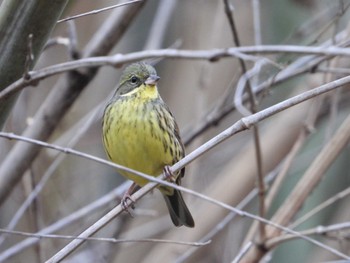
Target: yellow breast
138, 132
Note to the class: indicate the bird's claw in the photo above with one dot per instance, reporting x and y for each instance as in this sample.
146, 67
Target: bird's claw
127, 202
169, 176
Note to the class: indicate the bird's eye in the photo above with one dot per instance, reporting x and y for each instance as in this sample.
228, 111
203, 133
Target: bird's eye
134, 79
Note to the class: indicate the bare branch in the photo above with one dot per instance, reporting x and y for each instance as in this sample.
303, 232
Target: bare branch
242, 252
29, 58
73, 41
257, 21
103, 239
98, 11
328, 202
319, 230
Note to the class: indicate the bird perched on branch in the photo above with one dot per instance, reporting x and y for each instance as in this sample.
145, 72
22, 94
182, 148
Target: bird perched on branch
140, 132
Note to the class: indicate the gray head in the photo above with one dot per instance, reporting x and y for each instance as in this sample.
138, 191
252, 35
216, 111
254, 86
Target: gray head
135, 75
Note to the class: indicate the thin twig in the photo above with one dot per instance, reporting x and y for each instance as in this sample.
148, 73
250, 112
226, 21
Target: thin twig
73, 41
313, 25
98, 11
333, 70
64, 41
257, 21
29, 58
242, 252
319, 230
330, 22
103, 239
320, 207
239, 97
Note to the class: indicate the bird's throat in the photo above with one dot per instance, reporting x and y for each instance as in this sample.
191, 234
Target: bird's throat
143, 92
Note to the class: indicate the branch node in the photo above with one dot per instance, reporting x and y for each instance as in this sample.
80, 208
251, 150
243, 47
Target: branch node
246, 125
262, 247
309, 128
218, 55
73, 42
29, 58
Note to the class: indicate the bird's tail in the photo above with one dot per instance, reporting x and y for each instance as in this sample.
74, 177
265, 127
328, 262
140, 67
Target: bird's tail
179, 213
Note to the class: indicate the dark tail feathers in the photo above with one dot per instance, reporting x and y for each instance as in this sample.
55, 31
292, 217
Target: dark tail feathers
179, 213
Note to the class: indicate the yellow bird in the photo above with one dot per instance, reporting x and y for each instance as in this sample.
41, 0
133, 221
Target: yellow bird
140, 132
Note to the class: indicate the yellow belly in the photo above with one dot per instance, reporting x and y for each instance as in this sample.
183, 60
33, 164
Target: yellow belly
133, 137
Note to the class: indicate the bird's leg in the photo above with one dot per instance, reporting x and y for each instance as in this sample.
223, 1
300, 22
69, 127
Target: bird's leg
169, 176
127, 197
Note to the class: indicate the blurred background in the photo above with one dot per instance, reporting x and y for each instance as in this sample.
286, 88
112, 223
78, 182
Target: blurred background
200, 94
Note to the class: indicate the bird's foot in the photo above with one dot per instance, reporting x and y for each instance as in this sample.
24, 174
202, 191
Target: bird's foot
169, 176
127, 202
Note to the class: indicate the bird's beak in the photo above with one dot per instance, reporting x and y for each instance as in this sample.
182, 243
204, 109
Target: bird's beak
152, 80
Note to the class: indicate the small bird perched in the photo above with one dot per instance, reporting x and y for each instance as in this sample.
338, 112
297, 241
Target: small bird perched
140, 132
